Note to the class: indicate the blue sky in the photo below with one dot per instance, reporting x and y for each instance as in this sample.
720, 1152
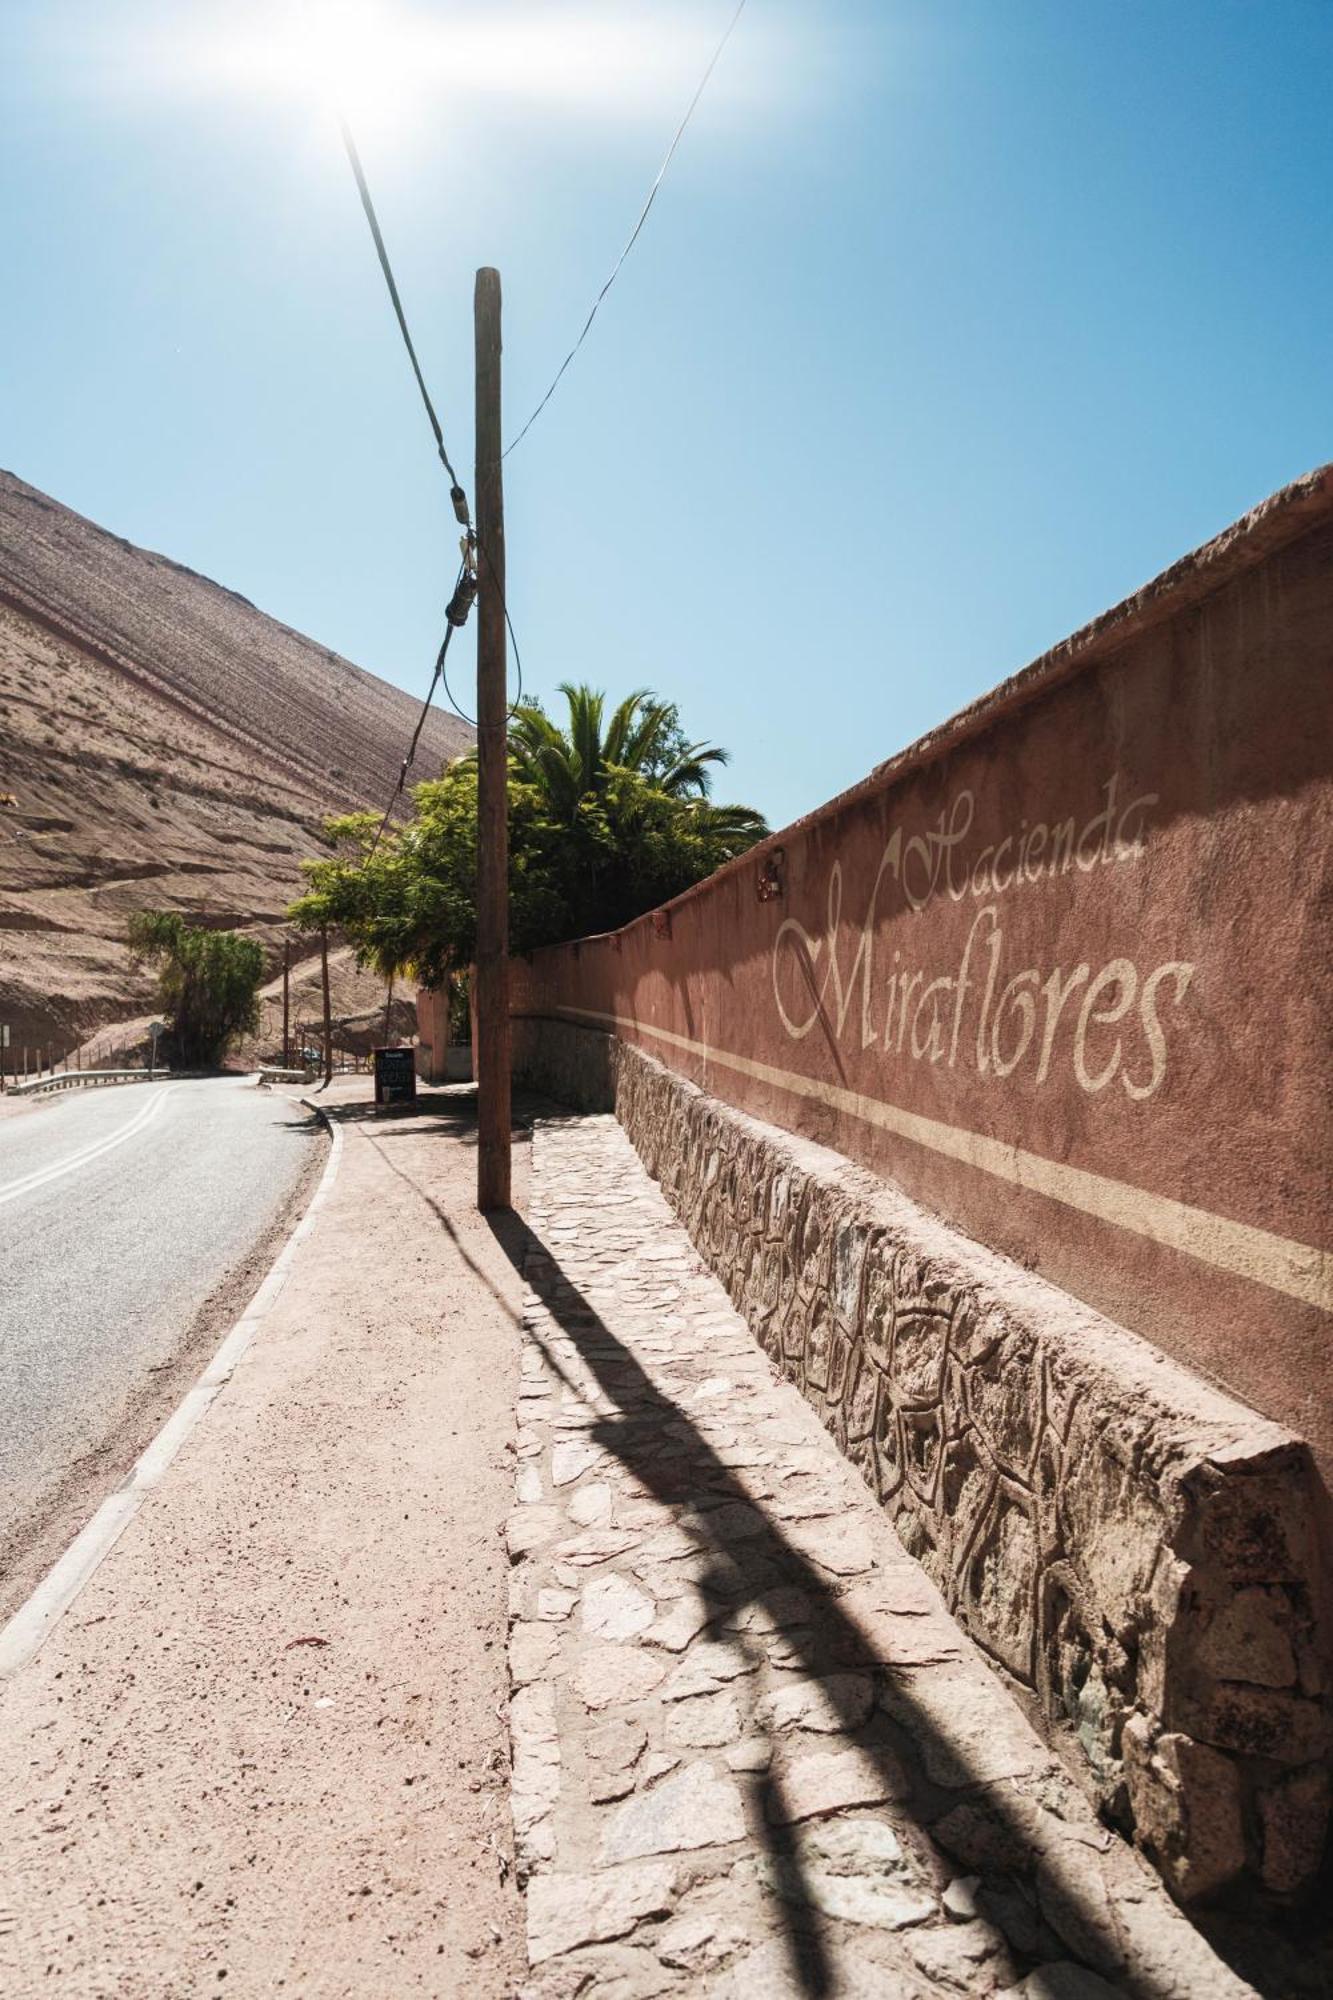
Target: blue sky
954, 322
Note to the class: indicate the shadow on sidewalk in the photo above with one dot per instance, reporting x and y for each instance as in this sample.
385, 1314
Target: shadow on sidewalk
658, 1444
1044, 1912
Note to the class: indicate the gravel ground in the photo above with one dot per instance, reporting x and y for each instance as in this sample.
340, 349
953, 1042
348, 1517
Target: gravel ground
109, 1266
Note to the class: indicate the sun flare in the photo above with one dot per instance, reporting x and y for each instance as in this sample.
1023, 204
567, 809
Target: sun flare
392, 62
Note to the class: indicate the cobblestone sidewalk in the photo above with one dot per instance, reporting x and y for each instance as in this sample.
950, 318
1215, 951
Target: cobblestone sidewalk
753, 1754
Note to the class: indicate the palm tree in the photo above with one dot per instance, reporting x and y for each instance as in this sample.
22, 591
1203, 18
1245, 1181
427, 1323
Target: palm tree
643, 738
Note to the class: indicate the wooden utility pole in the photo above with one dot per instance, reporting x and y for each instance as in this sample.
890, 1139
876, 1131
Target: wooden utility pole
328, 1017
286, 1003
492, 765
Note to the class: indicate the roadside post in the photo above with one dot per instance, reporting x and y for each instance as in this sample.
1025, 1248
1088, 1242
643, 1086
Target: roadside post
155, 1028
328, 1017
286, 1003
4, 1044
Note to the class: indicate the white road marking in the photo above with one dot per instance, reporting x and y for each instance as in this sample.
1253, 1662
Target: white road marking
11, 1190
34, 1621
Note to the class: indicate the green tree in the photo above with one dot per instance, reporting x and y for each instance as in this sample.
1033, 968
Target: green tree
644, 738
409, 905
208, 982
605, 821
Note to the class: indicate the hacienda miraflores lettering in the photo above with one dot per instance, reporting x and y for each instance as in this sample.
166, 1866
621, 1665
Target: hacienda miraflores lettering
1107, 1024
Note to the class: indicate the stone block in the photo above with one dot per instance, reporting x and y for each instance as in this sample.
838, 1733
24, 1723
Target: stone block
695, 1809
849, 1257
1254, 1518
614, 1608
862, 1390
997, 1591
609, 1676
852, 1869
1247, 1636
878, 1305
841, 1354
566, 1911
886, 1448
818, 1343
811, 1786
922, 1436
829, 1706
1186, 1800
920, 1349
1293, 1815
1256, 1722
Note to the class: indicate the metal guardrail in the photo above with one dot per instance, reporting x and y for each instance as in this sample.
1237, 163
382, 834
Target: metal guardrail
68, 1079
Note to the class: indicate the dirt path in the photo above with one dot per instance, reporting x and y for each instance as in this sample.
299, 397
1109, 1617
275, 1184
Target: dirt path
266, 1750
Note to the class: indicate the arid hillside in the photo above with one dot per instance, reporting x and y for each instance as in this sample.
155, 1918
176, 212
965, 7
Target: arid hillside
162, 744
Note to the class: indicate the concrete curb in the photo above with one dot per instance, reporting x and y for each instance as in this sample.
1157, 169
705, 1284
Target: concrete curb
34, 1621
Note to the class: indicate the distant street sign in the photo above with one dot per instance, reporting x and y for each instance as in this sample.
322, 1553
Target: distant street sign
156, 1028
4, 1035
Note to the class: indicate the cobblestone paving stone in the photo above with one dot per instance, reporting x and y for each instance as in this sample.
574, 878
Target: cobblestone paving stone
752, 1753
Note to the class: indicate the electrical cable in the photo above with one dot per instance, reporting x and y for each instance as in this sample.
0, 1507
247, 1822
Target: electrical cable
634, 233
517, 702
456, 493
513, 639
457, 603
452, 625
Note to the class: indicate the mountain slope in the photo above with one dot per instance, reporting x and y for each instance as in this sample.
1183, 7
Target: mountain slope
164, 744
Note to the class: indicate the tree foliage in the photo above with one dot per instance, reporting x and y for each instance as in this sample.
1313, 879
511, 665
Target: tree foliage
606, 819
208, 982
643, 738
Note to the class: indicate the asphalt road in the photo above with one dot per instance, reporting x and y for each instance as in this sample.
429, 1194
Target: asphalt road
121, 1212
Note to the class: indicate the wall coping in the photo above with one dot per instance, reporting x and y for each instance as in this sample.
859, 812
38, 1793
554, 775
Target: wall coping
1294, 510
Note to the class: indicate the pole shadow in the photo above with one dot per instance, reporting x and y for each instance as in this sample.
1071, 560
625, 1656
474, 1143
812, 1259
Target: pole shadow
658, 1444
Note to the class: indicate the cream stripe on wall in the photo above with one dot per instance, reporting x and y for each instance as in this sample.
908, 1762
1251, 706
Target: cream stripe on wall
1298, 1269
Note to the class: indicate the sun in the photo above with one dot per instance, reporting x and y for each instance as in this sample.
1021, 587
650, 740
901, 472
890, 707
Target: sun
350, 54
390, 65
357, 58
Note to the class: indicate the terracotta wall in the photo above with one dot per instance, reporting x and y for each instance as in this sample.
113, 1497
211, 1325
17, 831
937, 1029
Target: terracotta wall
1062, 970
432, 1034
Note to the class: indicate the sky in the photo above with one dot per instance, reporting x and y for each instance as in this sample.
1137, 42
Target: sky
954, 322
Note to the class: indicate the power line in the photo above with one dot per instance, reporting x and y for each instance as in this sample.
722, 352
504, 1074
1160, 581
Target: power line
459, 606
456, 493
461, 601
634, 233
517, 702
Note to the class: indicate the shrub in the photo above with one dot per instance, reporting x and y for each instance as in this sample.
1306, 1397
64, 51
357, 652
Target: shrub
208, 982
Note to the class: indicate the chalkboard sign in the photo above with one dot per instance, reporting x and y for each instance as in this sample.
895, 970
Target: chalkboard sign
395, 1076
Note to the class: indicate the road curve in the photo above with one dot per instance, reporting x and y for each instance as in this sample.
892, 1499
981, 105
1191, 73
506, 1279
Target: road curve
121, 1212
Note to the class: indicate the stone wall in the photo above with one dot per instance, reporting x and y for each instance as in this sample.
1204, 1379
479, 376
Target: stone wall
1135, 1551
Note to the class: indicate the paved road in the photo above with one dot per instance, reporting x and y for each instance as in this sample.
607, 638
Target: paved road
121, 1211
